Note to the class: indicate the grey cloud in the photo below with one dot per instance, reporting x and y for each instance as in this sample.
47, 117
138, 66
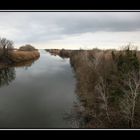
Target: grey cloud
102, 22
46, 26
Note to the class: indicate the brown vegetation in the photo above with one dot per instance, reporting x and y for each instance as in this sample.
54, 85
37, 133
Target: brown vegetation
53, 51
62, 53
27, 47
108, 87
20, 56
10, 56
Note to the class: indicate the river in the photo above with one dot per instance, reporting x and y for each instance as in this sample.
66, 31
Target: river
37, 96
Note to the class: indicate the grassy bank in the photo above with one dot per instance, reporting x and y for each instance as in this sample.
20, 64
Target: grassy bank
21, 56
9, 55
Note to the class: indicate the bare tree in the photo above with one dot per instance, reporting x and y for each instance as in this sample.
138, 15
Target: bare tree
5, 46
101, 88
131, 91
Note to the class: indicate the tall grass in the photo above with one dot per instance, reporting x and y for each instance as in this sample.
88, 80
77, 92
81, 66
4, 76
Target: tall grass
20, 56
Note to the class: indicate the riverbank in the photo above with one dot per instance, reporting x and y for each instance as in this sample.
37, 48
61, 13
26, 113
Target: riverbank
61, 52
108, 87
19, 57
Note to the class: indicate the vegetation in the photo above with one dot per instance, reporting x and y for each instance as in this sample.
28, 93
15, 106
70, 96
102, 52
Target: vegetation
108, 82
62, 53
53, 51
27, 47
6, 46
10, 56
108, 87
65, 53
20, 56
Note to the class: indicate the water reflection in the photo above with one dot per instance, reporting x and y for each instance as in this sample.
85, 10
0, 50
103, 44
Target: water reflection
7, 75
58, 54
25, 64
39, 96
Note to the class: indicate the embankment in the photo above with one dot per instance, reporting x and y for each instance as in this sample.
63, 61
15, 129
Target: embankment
21, 56
108, 87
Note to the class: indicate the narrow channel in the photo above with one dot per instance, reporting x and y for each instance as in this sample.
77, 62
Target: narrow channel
37, 96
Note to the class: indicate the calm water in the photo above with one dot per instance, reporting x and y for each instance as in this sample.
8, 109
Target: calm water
37, 96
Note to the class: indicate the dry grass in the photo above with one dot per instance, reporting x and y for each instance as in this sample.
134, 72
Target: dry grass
20, 56
99, 78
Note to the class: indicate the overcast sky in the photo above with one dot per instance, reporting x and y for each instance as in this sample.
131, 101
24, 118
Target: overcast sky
71, 30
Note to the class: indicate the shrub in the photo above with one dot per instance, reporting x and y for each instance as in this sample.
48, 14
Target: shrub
21, 56
108, 87
27, 47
